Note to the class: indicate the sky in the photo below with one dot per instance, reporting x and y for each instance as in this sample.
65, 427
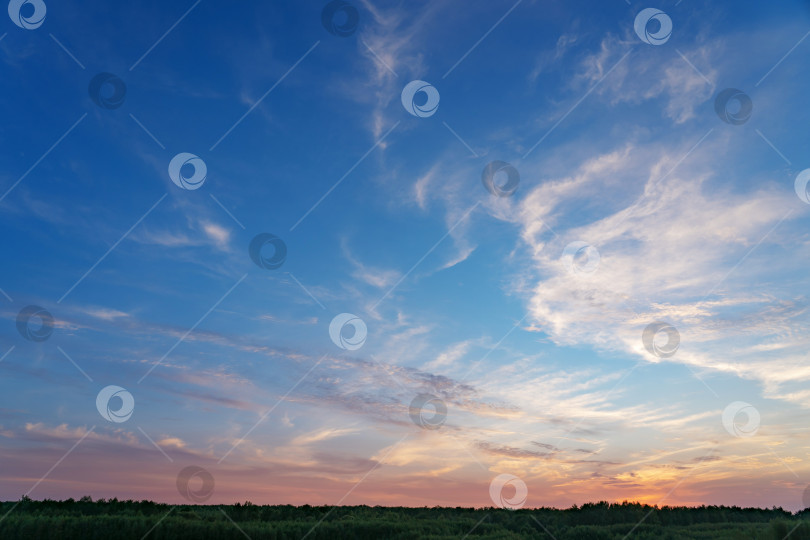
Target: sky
518, 254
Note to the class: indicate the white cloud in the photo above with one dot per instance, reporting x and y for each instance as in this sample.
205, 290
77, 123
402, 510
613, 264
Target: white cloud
422, 185
676, 252
390, 45
163, 238
217, 234
450, 356
644, 75
374, 276
105, 314
321, 435
547, 59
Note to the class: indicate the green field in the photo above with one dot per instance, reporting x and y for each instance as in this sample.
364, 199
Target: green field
123, 520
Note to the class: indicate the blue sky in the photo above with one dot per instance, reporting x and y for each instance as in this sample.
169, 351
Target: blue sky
465, 295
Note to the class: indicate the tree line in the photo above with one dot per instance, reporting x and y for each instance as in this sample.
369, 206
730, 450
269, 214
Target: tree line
119, 519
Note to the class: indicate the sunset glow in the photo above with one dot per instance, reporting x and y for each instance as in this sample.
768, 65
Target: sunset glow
384, 260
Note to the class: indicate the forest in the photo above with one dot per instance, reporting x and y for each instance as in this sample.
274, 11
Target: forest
87, 519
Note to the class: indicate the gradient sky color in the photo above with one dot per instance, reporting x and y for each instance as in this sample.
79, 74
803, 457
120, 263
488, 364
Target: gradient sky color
465, 295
